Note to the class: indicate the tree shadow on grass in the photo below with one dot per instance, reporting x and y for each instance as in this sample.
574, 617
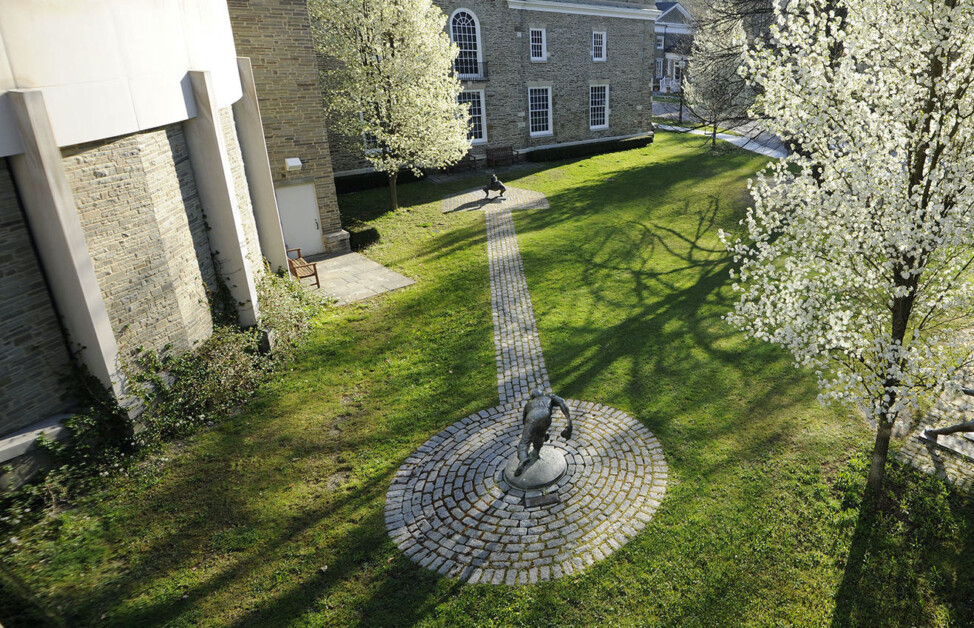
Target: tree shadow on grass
666, 357
910, 557
226, 510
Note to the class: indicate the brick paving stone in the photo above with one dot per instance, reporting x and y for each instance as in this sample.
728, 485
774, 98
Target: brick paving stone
449, 508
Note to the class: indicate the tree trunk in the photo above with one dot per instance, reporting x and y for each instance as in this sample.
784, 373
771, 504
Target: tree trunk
877, 470
713, 138
393, 196
902, 307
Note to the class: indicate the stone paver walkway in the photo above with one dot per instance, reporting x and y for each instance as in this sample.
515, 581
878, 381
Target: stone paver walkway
450, 509
950, 456
350, 277
520, 365
514, 198
755, 146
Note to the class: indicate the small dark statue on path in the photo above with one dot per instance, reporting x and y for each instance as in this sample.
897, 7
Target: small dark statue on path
537, 419
966, 426
494, 185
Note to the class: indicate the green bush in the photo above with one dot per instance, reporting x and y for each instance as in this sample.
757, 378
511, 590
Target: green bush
558, 153
177, 393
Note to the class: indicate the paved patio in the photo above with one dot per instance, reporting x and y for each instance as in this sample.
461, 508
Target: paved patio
351, 277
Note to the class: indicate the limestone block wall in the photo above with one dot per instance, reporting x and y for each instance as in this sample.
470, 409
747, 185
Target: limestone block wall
569, 70
146, 234
244, 204
34, 360
276, 35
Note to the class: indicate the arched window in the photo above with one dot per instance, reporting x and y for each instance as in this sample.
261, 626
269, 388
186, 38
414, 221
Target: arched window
465, 33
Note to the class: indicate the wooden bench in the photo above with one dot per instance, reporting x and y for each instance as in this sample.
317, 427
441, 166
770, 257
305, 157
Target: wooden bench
469, 162
302, 268
501, 155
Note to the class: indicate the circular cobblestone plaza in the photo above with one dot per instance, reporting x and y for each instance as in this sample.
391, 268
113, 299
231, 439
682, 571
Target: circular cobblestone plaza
450, 510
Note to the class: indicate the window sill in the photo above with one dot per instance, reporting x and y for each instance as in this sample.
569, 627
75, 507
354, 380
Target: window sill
599, 128
542, 134
478, 142
598, 60
544, 60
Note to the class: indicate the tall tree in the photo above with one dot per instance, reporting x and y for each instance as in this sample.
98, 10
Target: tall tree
715, 92
392, 82
859, 251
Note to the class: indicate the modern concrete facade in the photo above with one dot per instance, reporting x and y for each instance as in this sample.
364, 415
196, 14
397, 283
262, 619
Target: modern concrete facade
136, 180
545, 72
674, 38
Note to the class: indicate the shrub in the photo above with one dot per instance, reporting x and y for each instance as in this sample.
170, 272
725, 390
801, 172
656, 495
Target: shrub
177, 393
558, 153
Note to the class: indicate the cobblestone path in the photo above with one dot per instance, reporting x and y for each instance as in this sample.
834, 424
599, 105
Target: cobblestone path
520, 365
449, 508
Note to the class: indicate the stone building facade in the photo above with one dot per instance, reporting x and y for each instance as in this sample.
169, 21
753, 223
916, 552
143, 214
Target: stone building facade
545, 72
276, 36
34, 359
145, 231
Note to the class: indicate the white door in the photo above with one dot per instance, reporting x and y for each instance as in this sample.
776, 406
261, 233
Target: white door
298, 207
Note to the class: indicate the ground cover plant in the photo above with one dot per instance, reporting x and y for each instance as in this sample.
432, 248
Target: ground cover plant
276, 517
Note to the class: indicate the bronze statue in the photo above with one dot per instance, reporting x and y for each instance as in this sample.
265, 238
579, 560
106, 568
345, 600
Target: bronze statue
966, 426
537, 419
494, 185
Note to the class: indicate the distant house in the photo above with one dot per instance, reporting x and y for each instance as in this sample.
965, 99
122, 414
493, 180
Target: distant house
674, 38
539, 73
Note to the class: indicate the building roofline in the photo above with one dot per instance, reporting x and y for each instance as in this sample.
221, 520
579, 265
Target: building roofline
587, 8
679, 7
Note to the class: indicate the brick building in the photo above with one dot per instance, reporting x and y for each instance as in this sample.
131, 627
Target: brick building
539, 73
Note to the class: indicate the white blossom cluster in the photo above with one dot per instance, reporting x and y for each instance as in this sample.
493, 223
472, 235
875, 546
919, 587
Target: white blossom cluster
858, 251
392, 81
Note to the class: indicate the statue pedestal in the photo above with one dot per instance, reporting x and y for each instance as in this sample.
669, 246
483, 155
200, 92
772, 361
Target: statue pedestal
545, 471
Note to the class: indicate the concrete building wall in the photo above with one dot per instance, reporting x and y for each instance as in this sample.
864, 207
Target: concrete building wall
242, 189
276, 36
569, 70
146, 234
34, 360
112, 67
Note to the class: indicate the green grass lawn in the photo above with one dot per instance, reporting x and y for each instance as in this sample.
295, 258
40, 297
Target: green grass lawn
275, 517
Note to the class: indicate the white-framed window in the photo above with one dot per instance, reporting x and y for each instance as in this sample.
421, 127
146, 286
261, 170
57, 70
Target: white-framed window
598, 107
598, 46
659, 68
660, 42
477, 134
369, 143
465, 33
677, 70
539, 44
539, 111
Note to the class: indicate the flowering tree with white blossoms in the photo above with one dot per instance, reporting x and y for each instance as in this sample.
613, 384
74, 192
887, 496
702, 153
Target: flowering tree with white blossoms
392, 84
714, 90
859, 251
